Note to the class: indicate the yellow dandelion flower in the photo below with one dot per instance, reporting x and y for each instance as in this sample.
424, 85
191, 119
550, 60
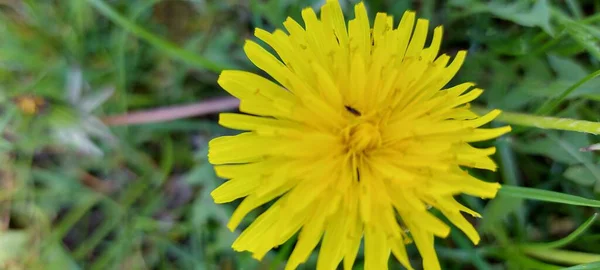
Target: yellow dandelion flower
357, 139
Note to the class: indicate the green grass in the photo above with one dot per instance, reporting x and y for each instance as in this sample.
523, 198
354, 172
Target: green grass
79, 194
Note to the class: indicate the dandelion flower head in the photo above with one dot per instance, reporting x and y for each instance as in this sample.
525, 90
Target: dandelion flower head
356, 139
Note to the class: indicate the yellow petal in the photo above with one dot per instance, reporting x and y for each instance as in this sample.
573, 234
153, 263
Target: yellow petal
316, 38
282, 44
431, 52
358, 82
380, 27
307, 240
399, 251
449, 208
377, 250
267, 62
327, 87
331, 14
259, 238
354, 231
242, 148
261, 125
405, 30
251, 202
482, 134
334, 241
235, 189
482, 120
424, 242
418, 39
360, 31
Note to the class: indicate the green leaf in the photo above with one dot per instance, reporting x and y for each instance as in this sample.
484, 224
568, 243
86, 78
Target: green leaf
498, 210
519, 13
572, 80
547, 196
13, 244
567, 68
564, 149
55, 257
580, 175
585, 158
581, 34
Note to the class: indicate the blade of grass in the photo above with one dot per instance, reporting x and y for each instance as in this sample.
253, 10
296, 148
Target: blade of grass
94, 239
134, 192
7, 115
103, 261
545, 45
547, 196
565, 240
85, 203
563, 256
575, 8
185, 257
529, 263
578, 32
168, 159
551, 104
587, 266
168, 47
121, 56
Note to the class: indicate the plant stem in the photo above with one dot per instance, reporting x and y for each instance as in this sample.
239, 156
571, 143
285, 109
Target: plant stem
172, 113
551, 104
543, 122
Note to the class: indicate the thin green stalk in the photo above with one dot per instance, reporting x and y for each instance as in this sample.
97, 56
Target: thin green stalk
564, 241
551, 104
132, 194
563, 256
575, 9
81, 208
525, 262
578, 33
121, 56
562, 33
168, 47
543, 122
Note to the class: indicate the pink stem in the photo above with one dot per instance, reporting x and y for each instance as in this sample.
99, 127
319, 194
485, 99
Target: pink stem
172, 113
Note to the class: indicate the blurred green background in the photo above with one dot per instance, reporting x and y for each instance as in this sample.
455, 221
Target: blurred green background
78, 193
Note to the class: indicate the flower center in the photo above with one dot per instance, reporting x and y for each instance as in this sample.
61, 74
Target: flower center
363, 136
